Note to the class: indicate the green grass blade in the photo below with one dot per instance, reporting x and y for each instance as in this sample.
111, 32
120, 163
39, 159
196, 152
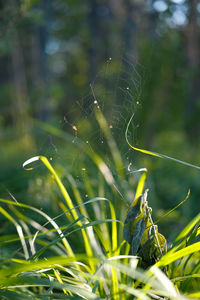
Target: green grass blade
40, 251
173, 209
19, 230
140, 185
154, 153
169, 257
50, 220
188, 228
56, 177
65, 195
114, 229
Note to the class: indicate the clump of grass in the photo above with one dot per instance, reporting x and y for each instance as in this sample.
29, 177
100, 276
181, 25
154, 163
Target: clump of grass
85, 255
104, 269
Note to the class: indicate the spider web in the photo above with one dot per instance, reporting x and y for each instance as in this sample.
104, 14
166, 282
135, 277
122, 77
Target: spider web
116, 91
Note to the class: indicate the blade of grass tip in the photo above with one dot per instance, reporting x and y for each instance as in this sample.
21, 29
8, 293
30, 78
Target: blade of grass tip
154, 153
171, 257
19, 230
66, 197
111, 142
140, 185
56, 177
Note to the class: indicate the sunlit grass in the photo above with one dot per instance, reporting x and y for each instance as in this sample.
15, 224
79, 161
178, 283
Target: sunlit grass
86, 256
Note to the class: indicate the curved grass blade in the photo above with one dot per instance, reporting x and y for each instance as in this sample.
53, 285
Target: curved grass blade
155, 153
40, 251
65, 195
50, 220
19, 230
170, 211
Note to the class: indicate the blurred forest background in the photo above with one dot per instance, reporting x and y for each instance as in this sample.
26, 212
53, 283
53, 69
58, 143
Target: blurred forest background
128, 56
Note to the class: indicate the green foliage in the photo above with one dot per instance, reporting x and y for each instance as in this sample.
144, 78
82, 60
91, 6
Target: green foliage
53, 267
55, 243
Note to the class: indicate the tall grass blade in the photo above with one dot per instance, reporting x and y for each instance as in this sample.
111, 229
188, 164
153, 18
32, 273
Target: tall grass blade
65, 195
154, 153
